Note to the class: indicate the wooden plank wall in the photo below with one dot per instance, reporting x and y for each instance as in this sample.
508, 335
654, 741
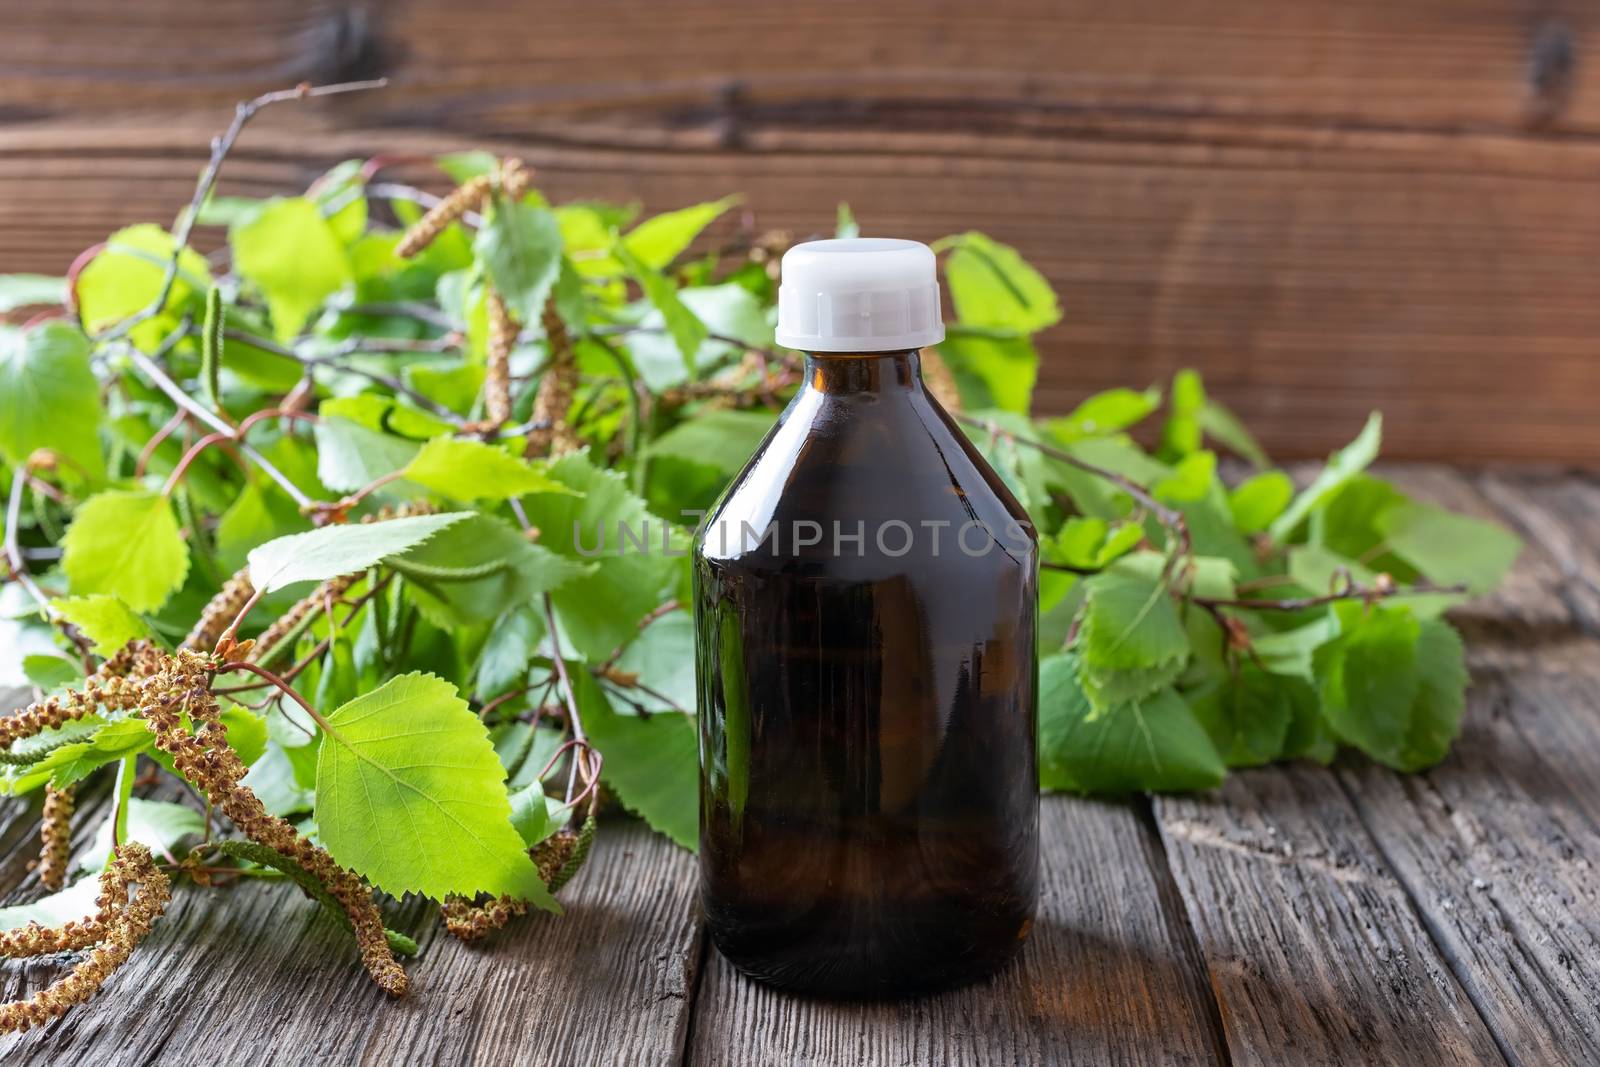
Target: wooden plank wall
1326, 206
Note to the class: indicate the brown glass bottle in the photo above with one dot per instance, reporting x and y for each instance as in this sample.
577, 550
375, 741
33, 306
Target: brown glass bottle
867, 701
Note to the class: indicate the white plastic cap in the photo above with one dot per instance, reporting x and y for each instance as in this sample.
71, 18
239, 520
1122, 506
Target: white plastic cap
864, 294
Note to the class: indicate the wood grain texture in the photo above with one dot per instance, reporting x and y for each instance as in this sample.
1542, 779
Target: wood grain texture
1326, 208
1109, 975
259, 967
1313, 949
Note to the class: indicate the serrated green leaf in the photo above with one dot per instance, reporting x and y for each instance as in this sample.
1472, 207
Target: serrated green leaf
1105, 413
411, 795
992, 286
1368, 678
126, 543
331, 551
1248, 713
27, 290
991, 370
599, 611
520, 246
160, 824
352, 457
682, 324
653, 764
104, 620
472, 470
1259, 500
658, 240
49, 397
724, 440
125, 277
481, 568
291, 254
1131, 642
67, 764
663, 658
1449, 548
1343, 465
1156, 744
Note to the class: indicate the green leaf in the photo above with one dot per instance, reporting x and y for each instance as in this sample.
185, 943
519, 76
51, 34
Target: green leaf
160, 824
104, 620
599, 611
262, 856
1181, 434
27, 290
1105, 413
77, 902
1191, 479
1259, 500
126, 543
411, 795
729, 311
992, 286
293, 256
653, 764
1224, 427
274, 781
1131, 642
126, 276
507, 651
991, 370
1156, 744
1248, 713
722, 439
1343, 465
331, 551
70, 763
685, 328
658, 241
481, 568
845, 228
663, 658
1447, 547
247, 734
520, 246
1441, 697
51, 672
1368, 678
350, 456
49, 397
472, 470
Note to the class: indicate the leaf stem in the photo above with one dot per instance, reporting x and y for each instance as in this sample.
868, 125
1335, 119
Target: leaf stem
1354, 593
220, 147
205, 415
289, 690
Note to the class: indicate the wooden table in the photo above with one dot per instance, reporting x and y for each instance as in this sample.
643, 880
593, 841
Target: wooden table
1296, 915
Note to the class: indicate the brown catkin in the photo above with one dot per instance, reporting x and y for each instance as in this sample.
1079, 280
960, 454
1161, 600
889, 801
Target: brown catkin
222, 610
471, 922
466, 198
55, 837
553, 436
119, 930
205, 759
290, 621
497, 374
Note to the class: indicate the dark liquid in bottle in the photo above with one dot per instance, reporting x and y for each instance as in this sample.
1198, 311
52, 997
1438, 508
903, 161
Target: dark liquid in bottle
869, 802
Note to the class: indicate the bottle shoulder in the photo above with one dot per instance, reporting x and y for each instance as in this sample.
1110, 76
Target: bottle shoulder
862, 461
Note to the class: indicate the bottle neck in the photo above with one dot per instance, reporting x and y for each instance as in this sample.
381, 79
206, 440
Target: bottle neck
864, 372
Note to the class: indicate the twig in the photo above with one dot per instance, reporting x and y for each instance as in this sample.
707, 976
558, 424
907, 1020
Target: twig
220, 147
19, 566
570, 697
204, 414
1354, 593
1168, 517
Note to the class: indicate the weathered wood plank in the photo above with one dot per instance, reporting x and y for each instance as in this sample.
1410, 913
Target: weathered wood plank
1109, 975
1419, 63
1447, 278
258, 967
1558, 511
1314, 951
1501, 867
